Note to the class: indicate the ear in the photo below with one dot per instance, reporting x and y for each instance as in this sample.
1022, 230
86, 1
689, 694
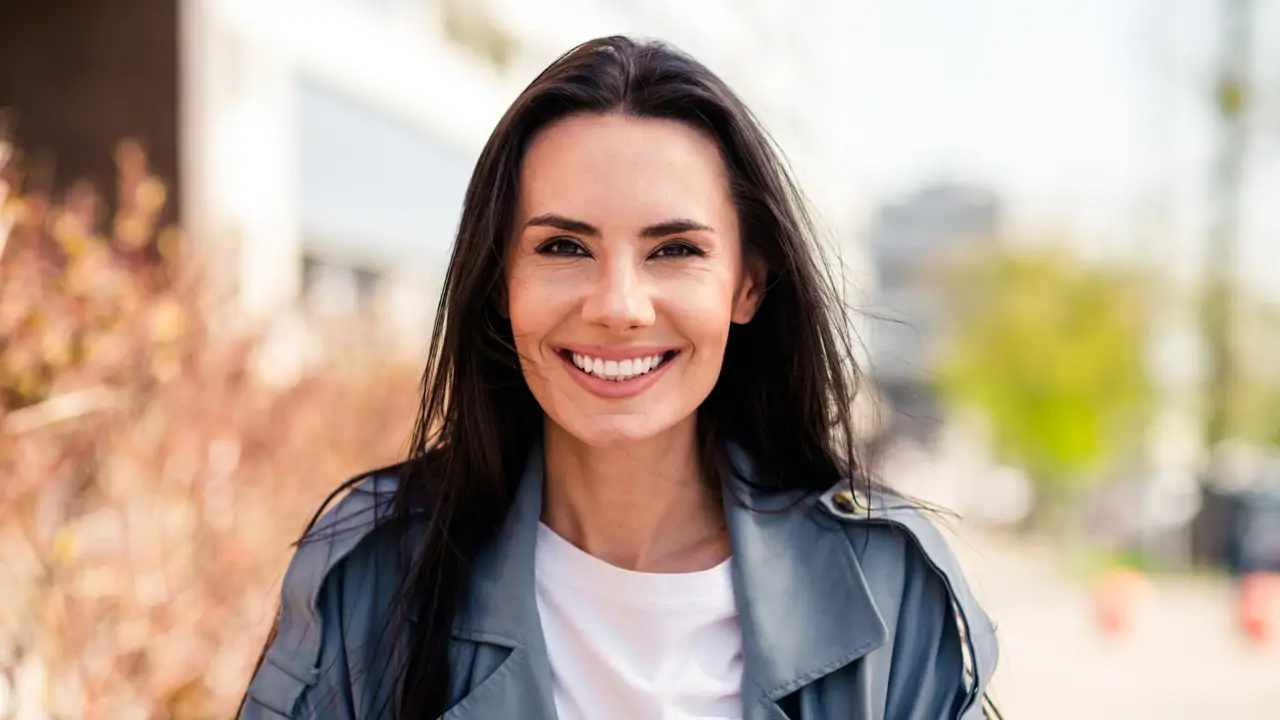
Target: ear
750, 292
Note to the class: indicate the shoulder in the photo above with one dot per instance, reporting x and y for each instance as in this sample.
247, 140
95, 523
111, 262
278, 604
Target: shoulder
341, 538
900, 532
342, 571
898, 542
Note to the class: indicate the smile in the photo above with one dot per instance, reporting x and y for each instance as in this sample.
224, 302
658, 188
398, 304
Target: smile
618, 369
615, 369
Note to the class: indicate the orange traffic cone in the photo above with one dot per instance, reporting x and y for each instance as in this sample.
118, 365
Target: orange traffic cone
1258, 606
1120, 597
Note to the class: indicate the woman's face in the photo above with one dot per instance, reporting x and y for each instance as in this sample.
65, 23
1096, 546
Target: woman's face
625, 271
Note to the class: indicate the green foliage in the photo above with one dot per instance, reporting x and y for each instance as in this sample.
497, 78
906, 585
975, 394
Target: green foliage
1247, 401
1052, 353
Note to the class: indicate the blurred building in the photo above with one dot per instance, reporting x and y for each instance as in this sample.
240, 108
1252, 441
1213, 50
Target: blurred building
318, 149
78, 76
330, 144
910, 241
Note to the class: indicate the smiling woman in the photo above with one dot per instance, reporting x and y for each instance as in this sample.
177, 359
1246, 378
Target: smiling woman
634, 488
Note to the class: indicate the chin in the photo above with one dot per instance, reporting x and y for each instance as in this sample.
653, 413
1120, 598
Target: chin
613, 432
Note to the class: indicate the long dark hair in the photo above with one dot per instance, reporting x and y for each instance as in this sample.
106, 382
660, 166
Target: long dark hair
785, 392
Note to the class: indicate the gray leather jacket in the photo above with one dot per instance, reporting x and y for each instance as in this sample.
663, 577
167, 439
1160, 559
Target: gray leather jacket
848, 609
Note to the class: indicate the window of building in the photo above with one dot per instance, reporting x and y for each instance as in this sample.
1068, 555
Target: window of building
334, 291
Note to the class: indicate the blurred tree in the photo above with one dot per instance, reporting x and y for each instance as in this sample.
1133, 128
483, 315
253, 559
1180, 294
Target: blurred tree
1255, 386
154, 478
1052, 353
1233, 101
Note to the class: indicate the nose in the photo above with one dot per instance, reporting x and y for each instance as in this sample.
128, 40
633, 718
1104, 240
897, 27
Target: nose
619, 298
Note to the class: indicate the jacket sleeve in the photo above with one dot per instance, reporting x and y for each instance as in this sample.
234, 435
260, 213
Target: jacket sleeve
945, 649
315, 665
287, 687
927, 677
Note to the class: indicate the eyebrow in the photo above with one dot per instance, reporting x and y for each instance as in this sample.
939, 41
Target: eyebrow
658, 230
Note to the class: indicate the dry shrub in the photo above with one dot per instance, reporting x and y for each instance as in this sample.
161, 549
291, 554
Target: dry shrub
152, 483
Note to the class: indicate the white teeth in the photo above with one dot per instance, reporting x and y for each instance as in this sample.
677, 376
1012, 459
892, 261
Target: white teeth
617, 370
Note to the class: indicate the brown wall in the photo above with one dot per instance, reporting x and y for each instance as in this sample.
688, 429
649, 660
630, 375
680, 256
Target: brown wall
77, 76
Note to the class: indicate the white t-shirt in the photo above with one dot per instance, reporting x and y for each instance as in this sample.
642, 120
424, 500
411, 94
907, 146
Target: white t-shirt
626, 644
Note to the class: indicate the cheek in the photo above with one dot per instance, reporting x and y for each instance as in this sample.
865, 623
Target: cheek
532, 307
702, 309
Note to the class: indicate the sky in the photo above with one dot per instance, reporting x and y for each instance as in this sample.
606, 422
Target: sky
1023, 93
1091, 113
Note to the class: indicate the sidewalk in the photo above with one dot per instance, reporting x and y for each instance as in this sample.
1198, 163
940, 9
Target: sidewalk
1186, 662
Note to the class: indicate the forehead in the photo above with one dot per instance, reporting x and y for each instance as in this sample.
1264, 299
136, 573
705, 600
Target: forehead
598, 166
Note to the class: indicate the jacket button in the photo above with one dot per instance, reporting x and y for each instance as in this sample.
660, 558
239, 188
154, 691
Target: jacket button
847, 502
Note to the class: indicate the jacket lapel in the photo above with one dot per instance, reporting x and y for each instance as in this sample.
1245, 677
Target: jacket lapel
803, 603
501, 610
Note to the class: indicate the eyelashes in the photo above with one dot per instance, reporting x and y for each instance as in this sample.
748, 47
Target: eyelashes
569, 247
563, 246
677, 248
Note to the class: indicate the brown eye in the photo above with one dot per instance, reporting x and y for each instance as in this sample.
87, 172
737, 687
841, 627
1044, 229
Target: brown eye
676, 249
564, 247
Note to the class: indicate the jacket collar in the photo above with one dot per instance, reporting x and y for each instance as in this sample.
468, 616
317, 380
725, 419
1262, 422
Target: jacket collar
501, 610
804, 606
500, 604
803, 603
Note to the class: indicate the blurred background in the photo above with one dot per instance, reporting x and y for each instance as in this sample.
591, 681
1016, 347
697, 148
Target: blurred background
224, 225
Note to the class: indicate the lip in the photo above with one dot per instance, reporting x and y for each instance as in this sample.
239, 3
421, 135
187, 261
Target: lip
614, 389
618, 353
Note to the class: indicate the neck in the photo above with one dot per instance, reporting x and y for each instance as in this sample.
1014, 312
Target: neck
641, 506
